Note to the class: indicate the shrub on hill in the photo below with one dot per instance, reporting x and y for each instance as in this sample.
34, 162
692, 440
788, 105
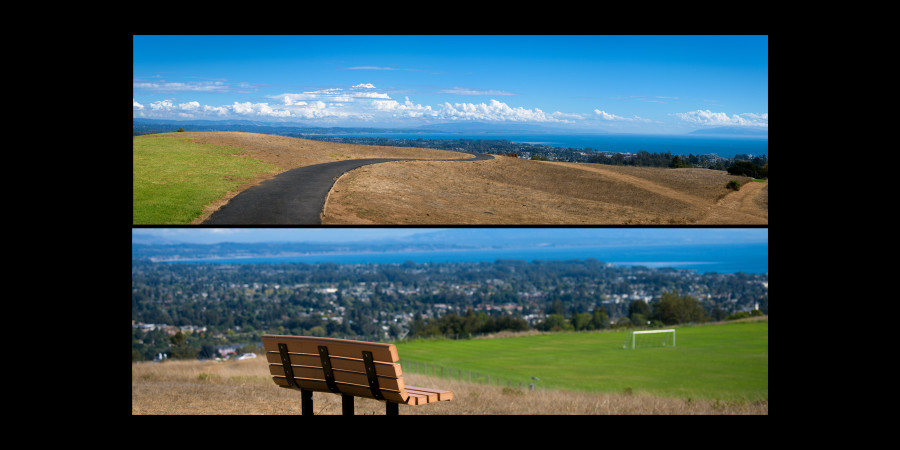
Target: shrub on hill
748, 169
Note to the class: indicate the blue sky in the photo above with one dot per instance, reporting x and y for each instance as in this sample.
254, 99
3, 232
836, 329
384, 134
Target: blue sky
624, 84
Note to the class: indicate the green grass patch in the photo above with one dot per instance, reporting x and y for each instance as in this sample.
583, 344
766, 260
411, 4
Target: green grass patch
728, 362
174, 178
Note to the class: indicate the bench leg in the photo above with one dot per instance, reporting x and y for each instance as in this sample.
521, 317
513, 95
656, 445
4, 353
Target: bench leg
346, 405
306, 406
392, 409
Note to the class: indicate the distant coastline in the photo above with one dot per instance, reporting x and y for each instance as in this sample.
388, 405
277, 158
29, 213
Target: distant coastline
726, 146
744, 257
723, 142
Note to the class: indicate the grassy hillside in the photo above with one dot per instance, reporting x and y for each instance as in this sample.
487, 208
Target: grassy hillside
728, 362
175, 178
184, 177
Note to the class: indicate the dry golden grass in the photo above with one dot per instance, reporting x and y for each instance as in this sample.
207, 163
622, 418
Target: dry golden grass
516, 191
244, 387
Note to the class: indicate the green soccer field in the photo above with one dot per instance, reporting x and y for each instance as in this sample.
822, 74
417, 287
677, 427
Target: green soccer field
728, 362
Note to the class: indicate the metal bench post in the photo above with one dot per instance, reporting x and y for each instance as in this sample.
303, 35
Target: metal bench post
346, 404
306, 406
392, 409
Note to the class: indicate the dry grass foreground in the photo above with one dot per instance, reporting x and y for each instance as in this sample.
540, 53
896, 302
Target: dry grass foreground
244, 387
517, 191
502, 190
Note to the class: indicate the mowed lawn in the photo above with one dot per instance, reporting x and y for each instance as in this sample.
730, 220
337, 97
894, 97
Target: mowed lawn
174, 178
728, 362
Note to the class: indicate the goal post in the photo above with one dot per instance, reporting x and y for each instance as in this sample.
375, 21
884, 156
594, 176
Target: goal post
651, 338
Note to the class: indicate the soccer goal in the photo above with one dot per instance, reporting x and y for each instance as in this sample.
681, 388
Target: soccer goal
650, 338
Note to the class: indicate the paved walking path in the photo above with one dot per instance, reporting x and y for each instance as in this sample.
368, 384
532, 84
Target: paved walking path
295, 197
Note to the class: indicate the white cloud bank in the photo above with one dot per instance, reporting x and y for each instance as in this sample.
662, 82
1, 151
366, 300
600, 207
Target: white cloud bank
361, 102
364, 102
709, 118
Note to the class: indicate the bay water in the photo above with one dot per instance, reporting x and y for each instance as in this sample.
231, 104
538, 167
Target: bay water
719, 258
724, 146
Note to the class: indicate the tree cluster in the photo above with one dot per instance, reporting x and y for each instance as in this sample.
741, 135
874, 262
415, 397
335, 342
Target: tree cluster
465, 326
749, 169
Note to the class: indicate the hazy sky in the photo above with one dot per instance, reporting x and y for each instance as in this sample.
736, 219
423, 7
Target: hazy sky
629, 84
213, 235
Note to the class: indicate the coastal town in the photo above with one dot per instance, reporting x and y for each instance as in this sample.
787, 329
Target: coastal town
230, 304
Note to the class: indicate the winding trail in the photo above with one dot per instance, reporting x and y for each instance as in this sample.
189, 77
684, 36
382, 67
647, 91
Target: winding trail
297, 196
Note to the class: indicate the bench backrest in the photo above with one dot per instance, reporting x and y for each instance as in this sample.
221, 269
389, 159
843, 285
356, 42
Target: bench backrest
363, 369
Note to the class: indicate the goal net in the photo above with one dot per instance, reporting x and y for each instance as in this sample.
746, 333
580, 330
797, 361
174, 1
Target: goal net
650, 338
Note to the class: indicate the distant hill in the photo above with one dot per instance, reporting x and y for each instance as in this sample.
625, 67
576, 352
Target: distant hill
146, 246
141, 126
733, 131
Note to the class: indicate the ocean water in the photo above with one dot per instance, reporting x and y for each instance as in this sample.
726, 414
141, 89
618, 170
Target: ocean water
724, 146
730, 258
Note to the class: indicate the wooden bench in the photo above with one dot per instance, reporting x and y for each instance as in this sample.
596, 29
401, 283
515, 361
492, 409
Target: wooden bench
345, 367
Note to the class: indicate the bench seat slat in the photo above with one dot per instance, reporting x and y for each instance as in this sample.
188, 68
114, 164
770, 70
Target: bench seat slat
336, 347
340, 376
434, 395
383, 369
352, 389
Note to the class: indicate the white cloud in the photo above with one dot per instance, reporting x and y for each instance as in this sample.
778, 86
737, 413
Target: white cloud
456, 90
259, 109
756, 116
707, 117
162, 105
136, 106
370, 95
200, 86
217, 110
607, 116
366, 86
495, 111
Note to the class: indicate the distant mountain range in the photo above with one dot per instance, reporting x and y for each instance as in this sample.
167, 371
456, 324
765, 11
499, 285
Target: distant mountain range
148, 246
733, 131
140, 126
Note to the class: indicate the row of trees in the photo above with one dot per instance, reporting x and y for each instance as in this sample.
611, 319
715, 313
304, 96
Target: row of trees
670, 309
465, 326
